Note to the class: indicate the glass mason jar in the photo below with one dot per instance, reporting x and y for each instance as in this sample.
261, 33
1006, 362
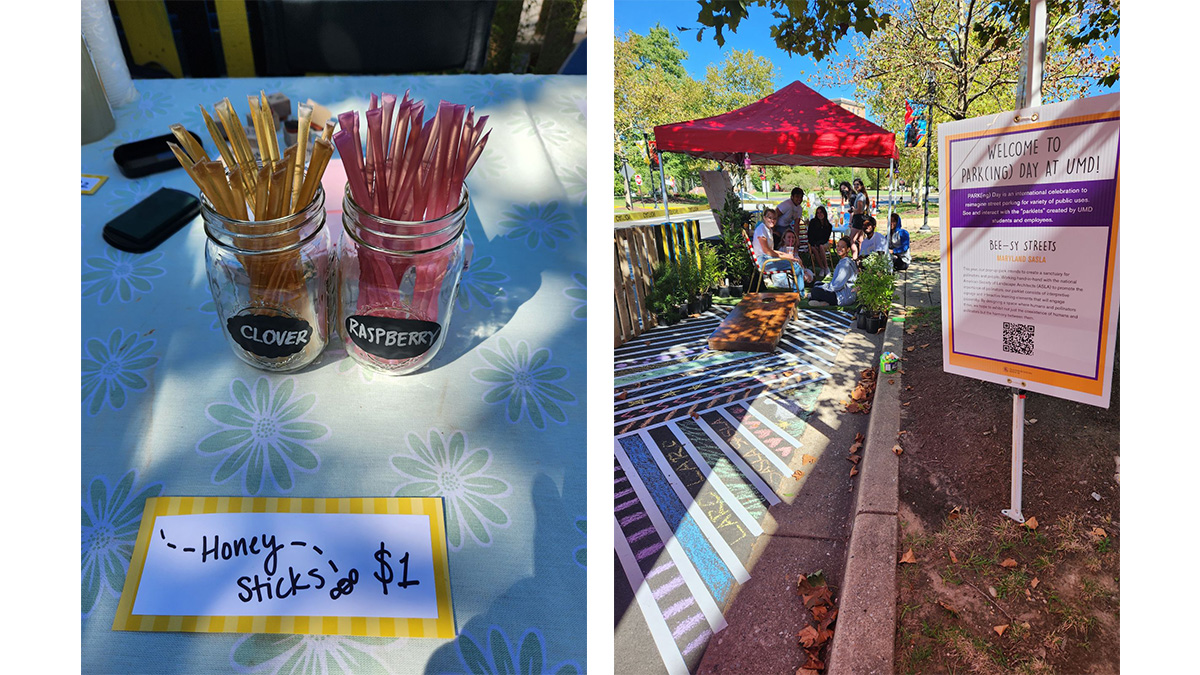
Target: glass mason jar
398, 284
272, 284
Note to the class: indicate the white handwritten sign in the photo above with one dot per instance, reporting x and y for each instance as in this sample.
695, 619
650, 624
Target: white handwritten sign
319, 566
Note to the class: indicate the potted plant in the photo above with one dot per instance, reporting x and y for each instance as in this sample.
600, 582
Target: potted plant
691, 281
875, 287
710, 272
733, 256
663, 297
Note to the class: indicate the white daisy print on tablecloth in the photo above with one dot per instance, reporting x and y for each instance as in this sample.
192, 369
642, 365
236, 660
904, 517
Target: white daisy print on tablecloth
538, 224
480, 284
578, 292
110, 519
119, 274
452, 470
309, 654
574, 181
264, 434
111, 367
498, 657
524, 382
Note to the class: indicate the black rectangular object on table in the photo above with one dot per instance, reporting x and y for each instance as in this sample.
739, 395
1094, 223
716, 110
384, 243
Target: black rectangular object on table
147, 156
148, 223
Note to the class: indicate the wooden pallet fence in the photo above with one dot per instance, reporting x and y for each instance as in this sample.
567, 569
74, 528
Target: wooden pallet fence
636, 251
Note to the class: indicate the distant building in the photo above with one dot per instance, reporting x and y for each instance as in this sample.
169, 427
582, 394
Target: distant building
853, 106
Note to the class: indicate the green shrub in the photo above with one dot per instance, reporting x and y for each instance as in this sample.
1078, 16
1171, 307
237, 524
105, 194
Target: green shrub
710, 267
734, 257
875, 283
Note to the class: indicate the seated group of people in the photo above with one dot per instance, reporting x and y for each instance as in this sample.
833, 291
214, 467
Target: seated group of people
785, 225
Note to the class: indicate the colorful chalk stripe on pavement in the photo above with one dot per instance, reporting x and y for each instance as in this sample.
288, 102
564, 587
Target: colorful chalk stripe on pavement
703, 444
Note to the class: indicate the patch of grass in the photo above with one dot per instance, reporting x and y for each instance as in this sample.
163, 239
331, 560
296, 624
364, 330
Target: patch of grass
964, 533
1091, 590
1012, 583
1104, 545
1068, 529
981, 563
951, 576
906, 609
1043, 562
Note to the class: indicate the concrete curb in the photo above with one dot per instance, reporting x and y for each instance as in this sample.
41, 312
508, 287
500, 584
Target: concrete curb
864, 635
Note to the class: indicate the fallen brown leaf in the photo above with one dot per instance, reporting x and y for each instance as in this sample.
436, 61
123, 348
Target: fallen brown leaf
808, 636
621, 396
953, 558
1034, 583
819, 612
1009, 563
897, 449
856, 458
824, 624
852, 407
807, 459
891, 381
953, 515
808, 671
797, 474
856, 447
858, 437
694, 416
906, 404
924, 345
1031, 523
909, 349
910, 331
859, 393
813, 663
908, 557
853, 471
1099, 532
1000, 629
947, 607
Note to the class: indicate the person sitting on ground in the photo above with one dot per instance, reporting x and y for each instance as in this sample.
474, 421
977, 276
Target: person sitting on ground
819, 232
839, 290
899, 240
872, 241
764, 245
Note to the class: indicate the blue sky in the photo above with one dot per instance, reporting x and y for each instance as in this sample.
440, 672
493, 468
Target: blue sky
753, 34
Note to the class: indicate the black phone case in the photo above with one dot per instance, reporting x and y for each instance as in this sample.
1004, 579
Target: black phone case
148, 223
147, 156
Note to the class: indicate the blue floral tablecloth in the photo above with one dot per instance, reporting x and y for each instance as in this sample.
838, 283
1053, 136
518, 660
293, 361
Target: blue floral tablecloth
495, 424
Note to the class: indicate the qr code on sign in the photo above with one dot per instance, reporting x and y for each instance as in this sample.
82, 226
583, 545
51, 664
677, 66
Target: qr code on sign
1018, 338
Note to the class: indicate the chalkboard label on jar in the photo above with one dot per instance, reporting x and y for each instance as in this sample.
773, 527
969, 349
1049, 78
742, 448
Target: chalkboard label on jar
269, 336
390, 338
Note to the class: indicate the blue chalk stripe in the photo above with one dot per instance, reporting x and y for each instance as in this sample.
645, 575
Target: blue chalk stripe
711, 568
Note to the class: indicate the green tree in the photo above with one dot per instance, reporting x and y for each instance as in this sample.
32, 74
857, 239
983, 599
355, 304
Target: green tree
802, 27
739, 79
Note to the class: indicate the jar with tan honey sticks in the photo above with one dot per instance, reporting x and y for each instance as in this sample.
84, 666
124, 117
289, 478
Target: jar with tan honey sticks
271, 281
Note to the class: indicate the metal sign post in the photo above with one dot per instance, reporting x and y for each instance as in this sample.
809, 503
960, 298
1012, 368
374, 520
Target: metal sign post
1018, 455
1031, 92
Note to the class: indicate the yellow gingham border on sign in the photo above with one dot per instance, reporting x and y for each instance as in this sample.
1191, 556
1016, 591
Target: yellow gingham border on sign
441, 627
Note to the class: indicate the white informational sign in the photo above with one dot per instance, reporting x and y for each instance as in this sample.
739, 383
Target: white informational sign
1030, 261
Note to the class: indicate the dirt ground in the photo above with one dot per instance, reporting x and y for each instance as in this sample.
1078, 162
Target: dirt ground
986, 594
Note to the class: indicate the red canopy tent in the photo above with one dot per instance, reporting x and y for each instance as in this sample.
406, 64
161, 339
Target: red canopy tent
795, 126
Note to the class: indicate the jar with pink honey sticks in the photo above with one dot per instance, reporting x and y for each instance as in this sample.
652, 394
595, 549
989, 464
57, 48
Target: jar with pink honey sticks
401, 253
